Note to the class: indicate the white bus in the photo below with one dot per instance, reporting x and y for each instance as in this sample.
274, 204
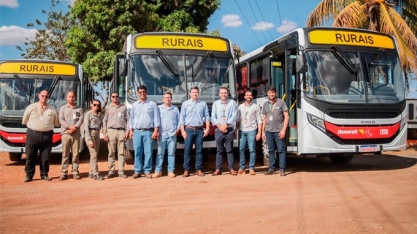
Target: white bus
20, 83
174, 62
344, 89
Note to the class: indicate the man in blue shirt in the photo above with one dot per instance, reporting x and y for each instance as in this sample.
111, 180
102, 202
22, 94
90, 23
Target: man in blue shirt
144, 125
194, 113
223, 116
170, 117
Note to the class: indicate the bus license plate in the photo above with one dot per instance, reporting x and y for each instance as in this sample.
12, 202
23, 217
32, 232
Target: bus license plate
368, 148
181, 145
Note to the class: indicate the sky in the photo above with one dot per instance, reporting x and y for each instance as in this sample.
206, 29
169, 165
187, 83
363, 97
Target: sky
248, 23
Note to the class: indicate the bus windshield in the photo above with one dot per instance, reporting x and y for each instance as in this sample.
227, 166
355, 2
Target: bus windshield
354, 77
15, 96
162, 73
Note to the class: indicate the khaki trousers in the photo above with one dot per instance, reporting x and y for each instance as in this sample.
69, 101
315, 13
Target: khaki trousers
70, 143
95, 137
116, 142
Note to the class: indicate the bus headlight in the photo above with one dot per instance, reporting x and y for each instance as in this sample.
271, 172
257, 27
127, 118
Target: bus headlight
317, 122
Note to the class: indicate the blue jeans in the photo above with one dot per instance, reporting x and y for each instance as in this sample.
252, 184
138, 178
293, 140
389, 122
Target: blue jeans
247, 137
273, 141
169, 143
196, 137
142, 143
223, 139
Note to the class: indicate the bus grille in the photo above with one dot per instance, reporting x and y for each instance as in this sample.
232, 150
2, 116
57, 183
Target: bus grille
13, 125
363, 115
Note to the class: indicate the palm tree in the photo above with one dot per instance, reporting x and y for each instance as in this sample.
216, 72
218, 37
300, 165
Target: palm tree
377, 15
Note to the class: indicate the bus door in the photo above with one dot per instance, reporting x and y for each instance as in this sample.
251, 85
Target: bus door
283, 78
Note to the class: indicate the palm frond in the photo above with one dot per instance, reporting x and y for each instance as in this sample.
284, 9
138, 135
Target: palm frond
391, 23
326, 11
352, 16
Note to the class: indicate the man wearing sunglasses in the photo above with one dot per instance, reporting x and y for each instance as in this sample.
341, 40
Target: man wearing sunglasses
40, 119
115, 130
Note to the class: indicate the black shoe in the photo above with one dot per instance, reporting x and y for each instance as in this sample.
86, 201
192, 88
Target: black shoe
110, 175
91, 176
28, 179
270, 172
98, 177
63, 177
46, 178
282, 172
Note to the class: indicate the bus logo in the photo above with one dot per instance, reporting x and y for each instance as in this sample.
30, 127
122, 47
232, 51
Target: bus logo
347, 132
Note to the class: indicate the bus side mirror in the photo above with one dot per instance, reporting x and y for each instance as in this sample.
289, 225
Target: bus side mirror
300, 64
121, 65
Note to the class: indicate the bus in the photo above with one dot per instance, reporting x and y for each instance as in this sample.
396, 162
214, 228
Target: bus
411, 96
344, 89
174, 62
20, 83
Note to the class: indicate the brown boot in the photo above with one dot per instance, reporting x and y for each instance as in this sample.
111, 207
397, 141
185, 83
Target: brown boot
241, 172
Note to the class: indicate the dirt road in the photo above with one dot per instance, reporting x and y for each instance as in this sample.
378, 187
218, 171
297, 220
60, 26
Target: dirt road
372, 194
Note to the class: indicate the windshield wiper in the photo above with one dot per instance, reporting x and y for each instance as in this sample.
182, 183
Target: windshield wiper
19, 80
200, 65
376, 59
53, 85
337, 52
168, 64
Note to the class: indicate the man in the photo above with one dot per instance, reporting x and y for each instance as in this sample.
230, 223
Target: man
115, 130
223, 116
144, 128
249, 125
194, 113
71, 118
275, 121
170, 117
40, 119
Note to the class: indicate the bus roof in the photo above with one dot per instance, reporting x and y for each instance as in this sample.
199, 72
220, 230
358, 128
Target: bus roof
330, 36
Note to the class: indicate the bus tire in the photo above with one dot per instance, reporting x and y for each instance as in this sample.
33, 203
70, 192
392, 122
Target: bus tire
341, 159
15, 157
129, 159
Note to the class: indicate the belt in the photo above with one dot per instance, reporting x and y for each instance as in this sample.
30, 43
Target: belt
119, 129
228, 128
194, 127
144, 129
39, 131
94, 129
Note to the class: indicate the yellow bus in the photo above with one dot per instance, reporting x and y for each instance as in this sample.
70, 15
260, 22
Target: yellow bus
175, 62
20, 83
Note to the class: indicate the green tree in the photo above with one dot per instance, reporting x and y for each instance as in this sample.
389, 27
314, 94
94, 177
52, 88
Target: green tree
49, 42
377, 15
103, 26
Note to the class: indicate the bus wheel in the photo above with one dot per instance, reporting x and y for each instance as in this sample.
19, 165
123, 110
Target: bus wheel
129, 156
341, 159
15, 156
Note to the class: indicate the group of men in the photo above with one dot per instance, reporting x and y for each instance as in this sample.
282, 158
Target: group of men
149, 122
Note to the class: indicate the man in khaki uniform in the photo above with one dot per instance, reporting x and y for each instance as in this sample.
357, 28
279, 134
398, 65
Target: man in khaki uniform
115, 130
71, 119
40, 119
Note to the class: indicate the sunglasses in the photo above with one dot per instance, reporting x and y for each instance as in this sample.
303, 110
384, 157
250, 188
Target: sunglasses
114, 96
96, 104
44, 96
